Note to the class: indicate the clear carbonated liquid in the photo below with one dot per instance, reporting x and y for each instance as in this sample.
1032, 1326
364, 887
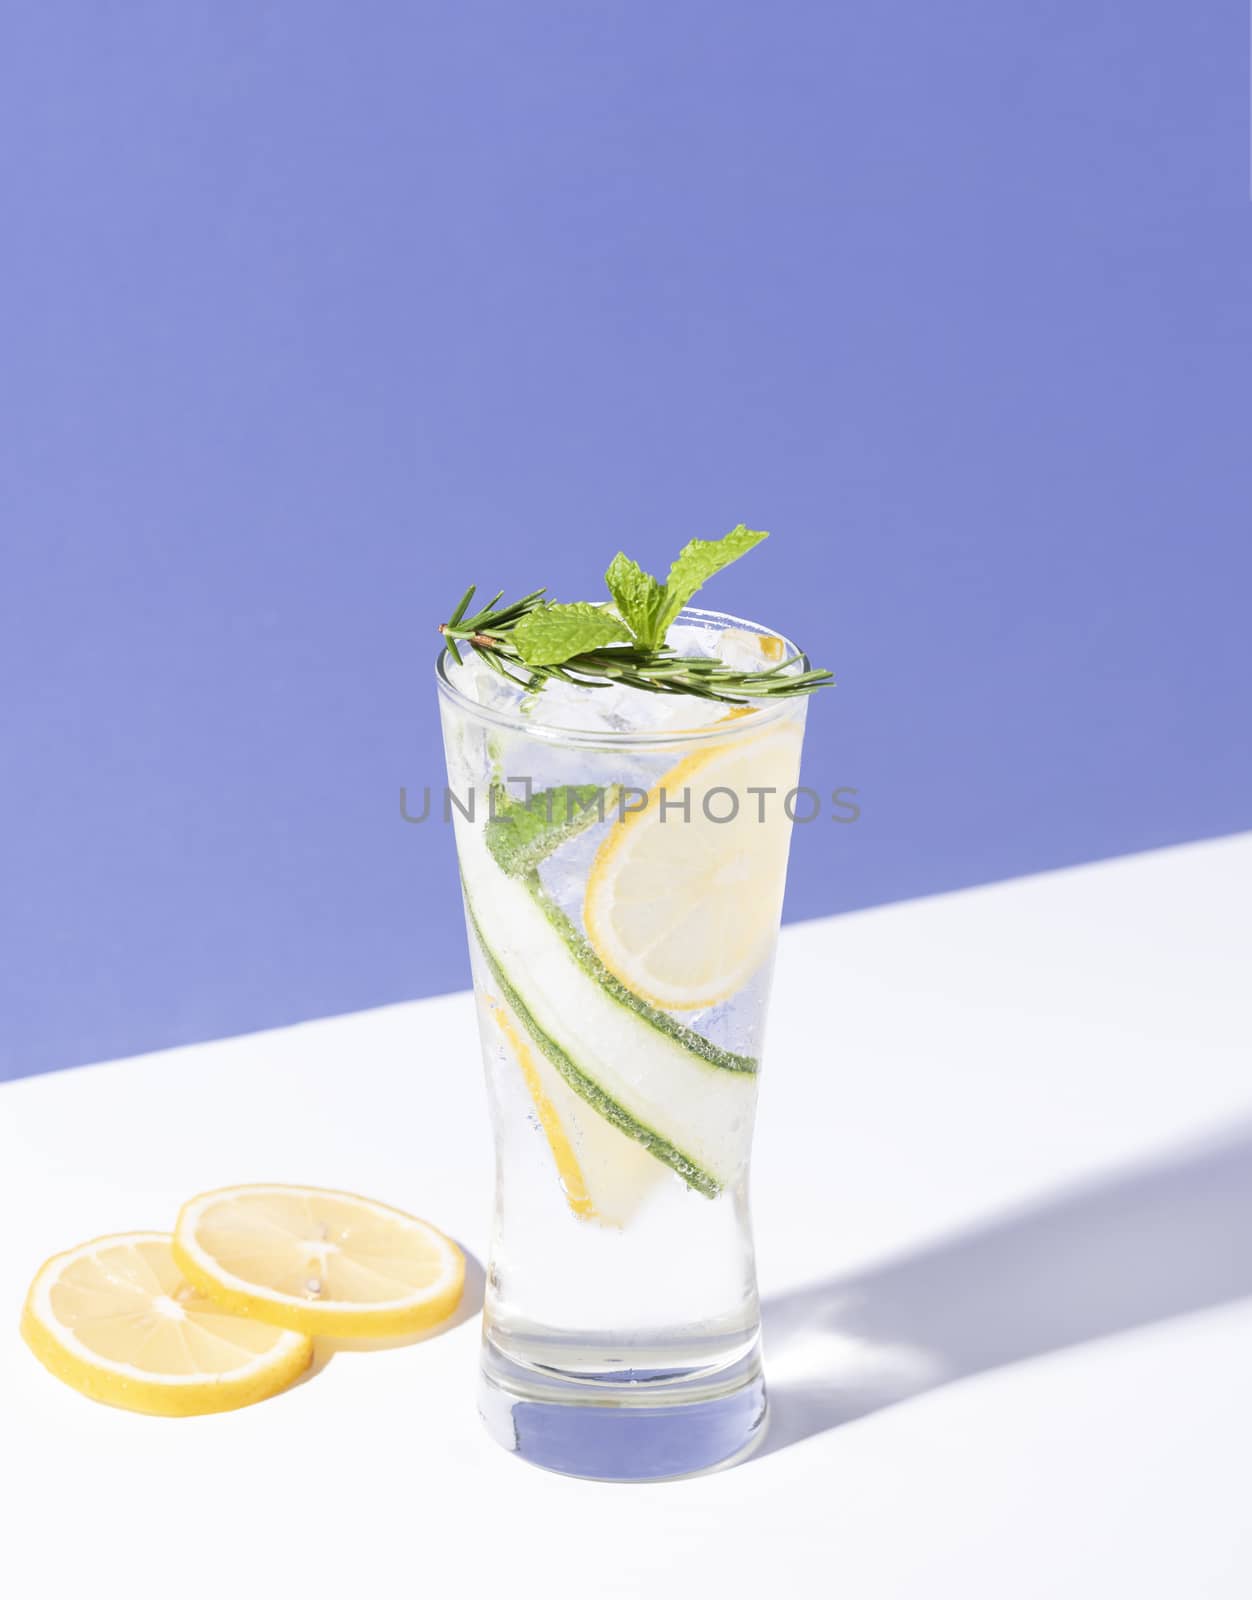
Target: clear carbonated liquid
609, 1271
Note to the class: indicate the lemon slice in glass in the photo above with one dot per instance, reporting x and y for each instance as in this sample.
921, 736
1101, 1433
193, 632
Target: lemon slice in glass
318, 1260
684, 897
604, 1175
116, 1320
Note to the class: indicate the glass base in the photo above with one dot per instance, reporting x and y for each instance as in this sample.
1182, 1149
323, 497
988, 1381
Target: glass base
648, 1426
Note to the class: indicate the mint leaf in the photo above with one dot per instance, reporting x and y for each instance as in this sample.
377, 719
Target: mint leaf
639, 598
532, 641
522, 833
696, 564
553, 633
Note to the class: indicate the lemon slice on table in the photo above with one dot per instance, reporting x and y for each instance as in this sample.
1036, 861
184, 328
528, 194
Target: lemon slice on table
116, 1320
318, 1260
683, 899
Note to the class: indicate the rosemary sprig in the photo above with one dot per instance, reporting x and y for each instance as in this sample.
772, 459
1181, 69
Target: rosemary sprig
663, 671
532, 641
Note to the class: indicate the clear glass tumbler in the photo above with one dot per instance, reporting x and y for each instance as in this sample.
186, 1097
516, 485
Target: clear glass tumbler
622, 858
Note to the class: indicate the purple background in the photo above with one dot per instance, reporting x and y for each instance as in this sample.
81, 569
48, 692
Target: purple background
314, 313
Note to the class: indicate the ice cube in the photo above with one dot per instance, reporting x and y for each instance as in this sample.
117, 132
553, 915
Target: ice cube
691, 639
745, 651
480, 683
577, 707
618, 708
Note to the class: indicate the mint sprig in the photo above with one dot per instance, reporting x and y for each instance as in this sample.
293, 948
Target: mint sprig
697, 562
533, 639
648, 607
639, 598
554, 633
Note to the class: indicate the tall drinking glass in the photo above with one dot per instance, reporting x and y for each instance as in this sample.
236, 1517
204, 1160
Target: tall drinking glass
622, 858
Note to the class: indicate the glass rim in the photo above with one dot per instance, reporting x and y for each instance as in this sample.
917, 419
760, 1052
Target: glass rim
755, 714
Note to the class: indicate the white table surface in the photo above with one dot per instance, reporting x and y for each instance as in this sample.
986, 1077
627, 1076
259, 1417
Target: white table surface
1003, 1195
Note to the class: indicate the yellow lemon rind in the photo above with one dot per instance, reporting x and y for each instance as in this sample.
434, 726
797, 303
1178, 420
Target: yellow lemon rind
129, 1389
323, 1319
596, 902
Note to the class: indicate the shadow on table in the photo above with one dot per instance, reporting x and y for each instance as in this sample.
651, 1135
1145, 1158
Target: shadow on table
1152, 1243
470, 1305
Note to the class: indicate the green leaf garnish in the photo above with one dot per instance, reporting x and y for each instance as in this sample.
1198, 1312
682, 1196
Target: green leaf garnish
648, 606
639, 598
532, 640
554, 633
700, 560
